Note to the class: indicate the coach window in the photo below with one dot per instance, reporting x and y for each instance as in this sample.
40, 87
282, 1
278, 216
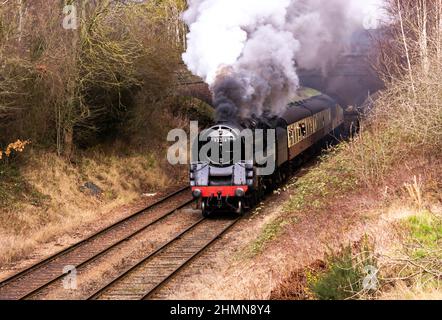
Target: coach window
303, 128
291, 136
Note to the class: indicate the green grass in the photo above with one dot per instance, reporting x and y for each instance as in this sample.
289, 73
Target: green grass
427, 229
344, 276
332, 177
269, 233
421, 257
426, 235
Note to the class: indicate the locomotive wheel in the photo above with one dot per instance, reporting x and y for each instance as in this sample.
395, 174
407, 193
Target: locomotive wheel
252, 200
205, 212
240, 210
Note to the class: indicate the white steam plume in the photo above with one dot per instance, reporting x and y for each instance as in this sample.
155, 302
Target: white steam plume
246, 49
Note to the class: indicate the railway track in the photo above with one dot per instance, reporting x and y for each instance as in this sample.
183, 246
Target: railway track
31, 281
145, 274
142, 280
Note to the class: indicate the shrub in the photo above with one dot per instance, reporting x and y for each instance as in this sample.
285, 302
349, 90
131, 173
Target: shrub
13, 186
345, 274
17, 147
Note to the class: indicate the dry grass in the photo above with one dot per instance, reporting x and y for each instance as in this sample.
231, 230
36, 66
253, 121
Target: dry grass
402, 203
414, 183
402, 291
400, 275
395, 158
63, 207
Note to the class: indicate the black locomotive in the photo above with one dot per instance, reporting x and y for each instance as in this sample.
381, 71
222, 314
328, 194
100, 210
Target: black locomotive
236, 177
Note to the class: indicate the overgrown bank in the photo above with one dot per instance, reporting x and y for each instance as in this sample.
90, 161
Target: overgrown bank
44, 197
389, 176
384, 185
92, 99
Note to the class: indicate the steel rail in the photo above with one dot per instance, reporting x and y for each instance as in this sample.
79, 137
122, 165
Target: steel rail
189, 260
106, 250
151, 255
69, 249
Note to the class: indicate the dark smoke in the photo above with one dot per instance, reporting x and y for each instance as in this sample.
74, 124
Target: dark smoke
247, 50
227, 96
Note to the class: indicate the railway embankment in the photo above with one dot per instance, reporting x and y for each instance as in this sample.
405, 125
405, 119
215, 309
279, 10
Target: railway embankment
367, 219
48, 202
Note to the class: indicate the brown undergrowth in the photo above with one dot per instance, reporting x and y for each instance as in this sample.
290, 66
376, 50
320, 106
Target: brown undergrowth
392, 165
44, 197
47, 198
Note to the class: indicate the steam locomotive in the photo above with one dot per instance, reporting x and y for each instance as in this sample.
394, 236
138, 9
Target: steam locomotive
225, 176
